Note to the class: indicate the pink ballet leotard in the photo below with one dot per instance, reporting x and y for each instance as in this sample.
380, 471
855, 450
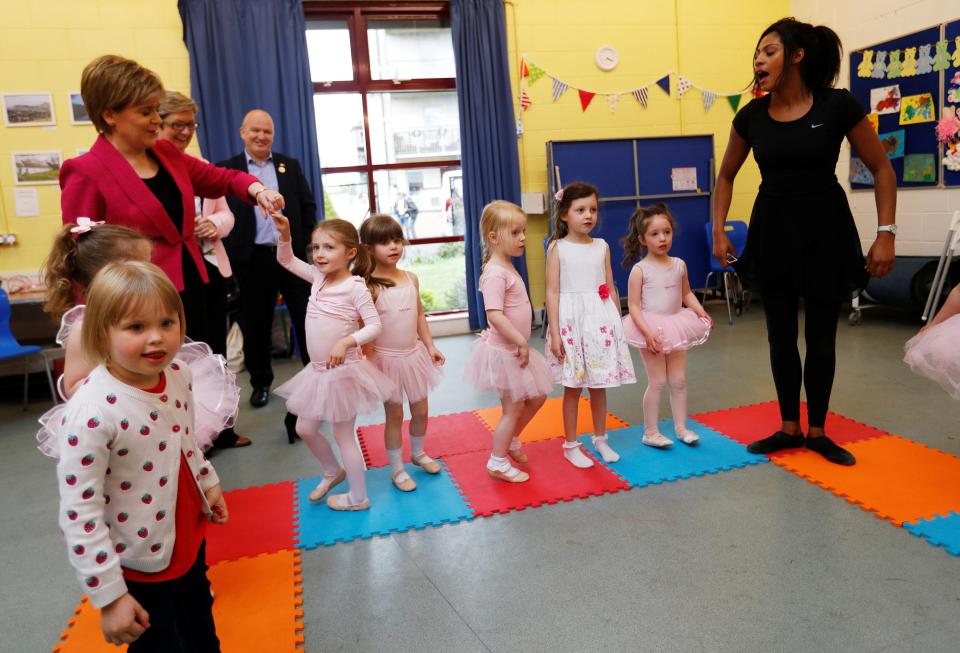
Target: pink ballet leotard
333, 313
661, 303
493, 363
398, 352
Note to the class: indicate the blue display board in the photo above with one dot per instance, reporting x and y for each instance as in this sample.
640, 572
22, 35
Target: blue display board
920, 138
951, 32
634, 172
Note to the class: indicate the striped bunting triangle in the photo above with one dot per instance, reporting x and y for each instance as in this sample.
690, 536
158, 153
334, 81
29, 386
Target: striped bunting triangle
559, 88
641, 95
709, 97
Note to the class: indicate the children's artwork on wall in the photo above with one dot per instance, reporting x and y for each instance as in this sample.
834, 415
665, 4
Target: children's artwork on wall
78, 113
885, 99
28, 109
35, 168
859, 172
919, 167
916, 108
953, 93
874, 119
893, 143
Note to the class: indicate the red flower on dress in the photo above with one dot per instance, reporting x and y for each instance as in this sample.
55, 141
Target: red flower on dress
604, 291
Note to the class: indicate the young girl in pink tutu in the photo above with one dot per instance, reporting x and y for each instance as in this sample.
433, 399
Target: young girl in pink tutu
79, 252
339, 383
501, 359
585, 343
658, 324
935, 351
404, 350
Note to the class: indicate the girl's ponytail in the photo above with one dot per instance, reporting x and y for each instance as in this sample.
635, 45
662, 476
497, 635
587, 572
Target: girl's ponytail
59, 271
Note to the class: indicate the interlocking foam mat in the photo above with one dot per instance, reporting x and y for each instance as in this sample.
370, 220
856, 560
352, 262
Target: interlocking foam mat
548, 422
446, 434
895, 478
747, 424
938, 531
641, 465
552, 479
258, 607
436, 501
261, 521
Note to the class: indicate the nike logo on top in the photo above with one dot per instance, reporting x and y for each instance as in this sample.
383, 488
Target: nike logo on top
820, 124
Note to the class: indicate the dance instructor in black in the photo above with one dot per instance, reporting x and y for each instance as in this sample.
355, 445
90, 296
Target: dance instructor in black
802, 241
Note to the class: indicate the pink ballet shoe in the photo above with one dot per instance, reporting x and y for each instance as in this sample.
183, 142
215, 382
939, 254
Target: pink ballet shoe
342, 502
518, 455
328, 483
403, 482
512, 475
428, 464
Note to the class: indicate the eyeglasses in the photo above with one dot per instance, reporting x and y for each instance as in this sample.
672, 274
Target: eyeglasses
180, 126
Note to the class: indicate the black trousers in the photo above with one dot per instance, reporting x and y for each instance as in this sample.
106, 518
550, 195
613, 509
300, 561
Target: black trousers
181, 613
781, 307
205, 306
260, 280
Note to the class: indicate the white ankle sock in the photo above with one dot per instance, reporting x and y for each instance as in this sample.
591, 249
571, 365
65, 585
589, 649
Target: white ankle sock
495, 464
573, 453
395, 456
416, 444
608, 454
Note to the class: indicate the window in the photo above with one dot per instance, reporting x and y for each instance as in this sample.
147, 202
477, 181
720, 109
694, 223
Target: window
388, 130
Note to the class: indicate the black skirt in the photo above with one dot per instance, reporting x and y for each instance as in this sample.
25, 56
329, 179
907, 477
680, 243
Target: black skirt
807, 241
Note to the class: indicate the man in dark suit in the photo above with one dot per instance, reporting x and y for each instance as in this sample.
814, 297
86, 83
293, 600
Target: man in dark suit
252, 247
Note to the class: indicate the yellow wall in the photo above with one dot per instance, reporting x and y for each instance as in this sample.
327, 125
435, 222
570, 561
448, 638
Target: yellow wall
44, 45
710, 42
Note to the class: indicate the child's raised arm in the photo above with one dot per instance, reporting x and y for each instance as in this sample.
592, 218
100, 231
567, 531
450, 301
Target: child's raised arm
285, 255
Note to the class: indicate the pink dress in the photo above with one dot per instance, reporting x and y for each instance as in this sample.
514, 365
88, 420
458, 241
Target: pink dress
493, 362
661, 302
935, 354
333, 312
216, 394
399, 353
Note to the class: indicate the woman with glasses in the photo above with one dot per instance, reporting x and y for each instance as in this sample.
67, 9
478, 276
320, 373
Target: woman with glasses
214, 220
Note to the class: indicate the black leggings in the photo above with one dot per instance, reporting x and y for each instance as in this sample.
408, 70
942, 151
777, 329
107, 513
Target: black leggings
781, 307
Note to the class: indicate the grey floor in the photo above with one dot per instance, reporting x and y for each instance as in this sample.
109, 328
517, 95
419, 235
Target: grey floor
752, 560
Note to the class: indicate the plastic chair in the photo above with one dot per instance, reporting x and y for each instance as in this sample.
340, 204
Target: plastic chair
11, 349
736, 231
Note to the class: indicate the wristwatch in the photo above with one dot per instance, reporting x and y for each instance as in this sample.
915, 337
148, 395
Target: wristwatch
892, 228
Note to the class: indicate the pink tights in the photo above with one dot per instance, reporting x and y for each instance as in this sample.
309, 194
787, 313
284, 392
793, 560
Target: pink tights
344, 434
664, 369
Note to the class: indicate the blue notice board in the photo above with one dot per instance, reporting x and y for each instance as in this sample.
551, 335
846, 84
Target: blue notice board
951, 32
634, 172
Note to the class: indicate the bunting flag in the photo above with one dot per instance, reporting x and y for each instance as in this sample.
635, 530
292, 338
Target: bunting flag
612, 100
585, 98
683, 85
524, 71
524, 100
734, 101
559, 88
664, 83
641, 95
709, 97
536, 72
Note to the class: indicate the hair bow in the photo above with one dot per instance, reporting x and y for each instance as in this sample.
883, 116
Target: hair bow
84, 225
558, 195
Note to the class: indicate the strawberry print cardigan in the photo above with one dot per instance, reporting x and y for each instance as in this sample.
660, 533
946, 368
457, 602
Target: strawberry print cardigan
120, 451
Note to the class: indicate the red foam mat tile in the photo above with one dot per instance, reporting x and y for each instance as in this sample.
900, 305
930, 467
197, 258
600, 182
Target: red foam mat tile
261, 521
552, 479
446, 435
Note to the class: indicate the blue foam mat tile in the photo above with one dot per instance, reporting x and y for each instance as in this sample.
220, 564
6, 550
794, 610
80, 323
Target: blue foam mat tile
435, 502
640, 465
938, 531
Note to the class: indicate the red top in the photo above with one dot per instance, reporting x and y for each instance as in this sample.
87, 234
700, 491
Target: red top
189, 521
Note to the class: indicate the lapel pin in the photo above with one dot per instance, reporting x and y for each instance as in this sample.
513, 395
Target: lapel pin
281, 168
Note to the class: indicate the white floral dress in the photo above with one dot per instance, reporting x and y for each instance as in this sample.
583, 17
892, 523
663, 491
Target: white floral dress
596, 354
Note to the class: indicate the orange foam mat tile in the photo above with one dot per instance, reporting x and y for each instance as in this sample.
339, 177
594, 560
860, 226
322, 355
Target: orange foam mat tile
896, 479
548, 422
258, 606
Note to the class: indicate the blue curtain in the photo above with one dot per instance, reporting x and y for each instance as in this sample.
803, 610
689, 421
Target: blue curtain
252, 54
488, 139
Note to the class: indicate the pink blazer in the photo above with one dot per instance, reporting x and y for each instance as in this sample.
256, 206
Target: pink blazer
218, 212
101, 185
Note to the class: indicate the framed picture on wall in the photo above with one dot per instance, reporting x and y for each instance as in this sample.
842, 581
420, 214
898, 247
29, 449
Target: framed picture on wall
28, 109
78, 113
36, 168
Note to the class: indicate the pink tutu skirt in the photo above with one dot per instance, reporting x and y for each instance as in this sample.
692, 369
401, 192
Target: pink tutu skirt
677, 332
338, 394
935, 354
216, 396
413, 373
492, 368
